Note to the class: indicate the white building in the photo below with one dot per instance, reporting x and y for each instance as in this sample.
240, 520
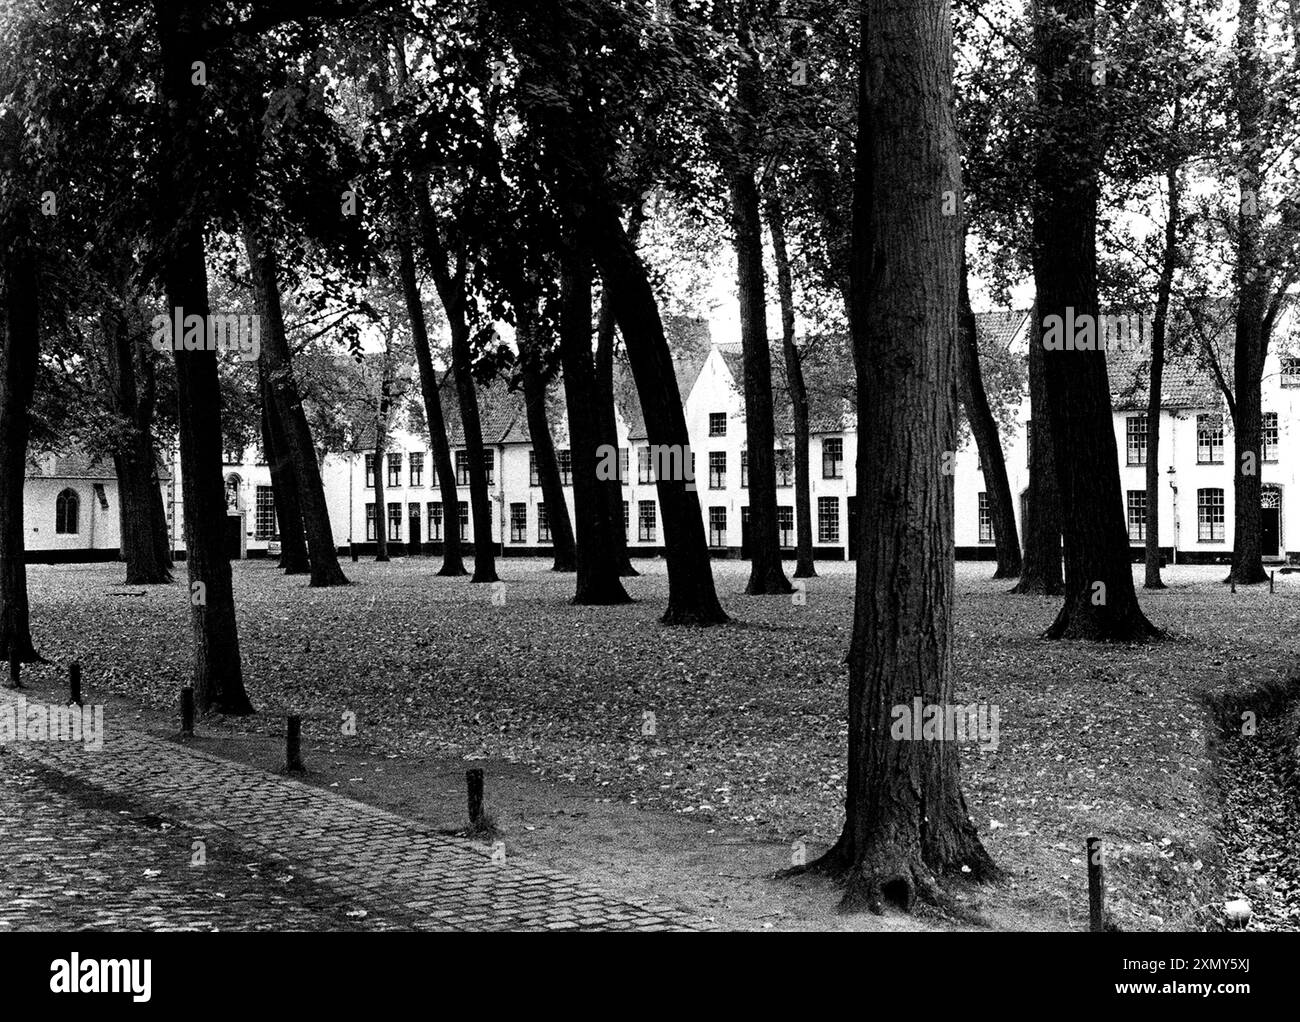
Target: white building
1195, 458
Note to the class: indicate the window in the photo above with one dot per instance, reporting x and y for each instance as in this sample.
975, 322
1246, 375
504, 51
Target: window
543, 524
744, 468
717, 526
462, 508
518, 523
1209, 439
717, 423
717, 470
1209, 516
462, 468
785, 525
233, 482
264, 526
1291, 372
1136, 429
623, 474
394, 470
413, 515
435, 520
784, 466
417, 468
370, 471
533, 478
490, 466
986, 520
564, 462
645, 521
394, 523
370, 522
645, 470
828, 519
66, 508
627, 523
1269, 437
1137, 516
832, 457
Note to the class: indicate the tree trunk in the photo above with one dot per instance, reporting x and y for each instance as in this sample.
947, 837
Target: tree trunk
607, 425
453, 563
295, 430
906, 821
766, 576
1040, 570
1100, 600
539, 429
381, 456
284, 484
804, 566
1251, 340
970, 385
19, 352
598, 580
1158, 328
480, 502
218, 672
134, 459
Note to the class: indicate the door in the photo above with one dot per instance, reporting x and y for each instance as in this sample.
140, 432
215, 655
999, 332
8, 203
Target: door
744, 533
1270, 502
413, 524
853, 529
234, 537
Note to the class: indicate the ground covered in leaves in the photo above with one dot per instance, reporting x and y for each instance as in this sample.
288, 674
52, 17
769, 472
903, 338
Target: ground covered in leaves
741, 724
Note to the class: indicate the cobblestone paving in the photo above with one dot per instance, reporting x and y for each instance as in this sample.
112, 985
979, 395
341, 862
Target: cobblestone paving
83, 864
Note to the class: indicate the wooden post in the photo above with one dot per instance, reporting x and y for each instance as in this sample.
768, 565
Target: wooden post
1233, 582
187, 711
353, 548
1270, 581
74, 682
474, 783
15, 667
293, 746
1096, 887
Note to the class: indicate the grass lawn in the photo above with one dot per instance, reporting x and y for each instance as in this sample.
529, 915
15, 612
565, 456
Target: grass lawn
748, 719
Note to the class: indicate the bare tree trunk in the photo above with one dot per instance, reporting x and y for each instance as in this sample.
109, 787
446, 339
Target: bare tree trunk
134, 459
970, 385
607, 424
1158, 328
381, 456
218, 670
598, 579
804, 565
296, 432
1251, 339
906, 820
1100, 600
284, 484
19, 352
767, 575
539, 429
1040, 571
453, 563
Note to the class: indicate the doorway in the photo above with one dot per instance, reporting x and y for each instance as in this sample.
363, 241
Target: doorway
1270, 526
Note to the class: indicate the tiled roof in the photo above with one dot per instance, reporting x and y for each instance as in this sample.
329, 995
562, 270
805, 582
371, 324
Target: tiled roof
831, 387
79, 465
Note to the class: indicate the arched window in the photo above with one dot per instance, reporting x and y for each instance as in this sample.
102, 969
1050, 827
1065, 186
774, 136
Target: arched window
232, 492
66, 509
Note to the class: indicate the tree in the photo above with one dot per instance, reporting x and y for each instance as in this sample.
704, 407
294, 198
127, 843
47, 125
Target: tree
284, 485
1100, 601
1040, 568
906, 822
794, 380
